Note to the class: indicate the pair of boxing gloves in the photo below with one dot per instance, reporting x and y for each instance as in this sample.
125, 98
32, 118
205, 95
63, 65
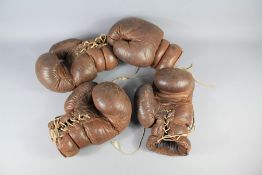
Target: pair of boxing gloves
95, 113
132, 40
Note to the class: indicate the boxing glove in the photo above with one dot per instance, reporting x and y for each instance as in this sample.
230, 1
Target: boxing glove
95, 113
140, 43
166, 107
68, 64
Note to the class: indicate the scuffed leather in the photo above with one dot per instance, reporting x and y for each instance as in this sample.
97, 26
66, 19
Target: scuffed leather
140, 43
61, 70
109, 109
147, 105
171, 91
135, 41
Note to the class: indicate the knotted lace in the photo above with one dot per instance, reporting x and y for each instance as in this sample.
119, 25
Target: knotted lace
59, 126
98, 42
166, 128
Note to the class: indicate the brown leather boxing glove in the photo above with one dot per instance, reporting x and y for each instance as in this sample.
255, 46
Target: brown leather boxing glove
95, 113
70, 63
140, 43
166, 107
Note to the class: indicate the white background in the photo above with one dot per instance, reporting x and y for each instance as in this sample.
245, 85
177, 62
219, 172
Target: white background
223, 40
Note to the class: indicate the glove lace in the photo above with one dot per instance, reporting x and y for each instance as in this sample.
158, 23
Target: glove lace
98, 42
59, 126
166, 128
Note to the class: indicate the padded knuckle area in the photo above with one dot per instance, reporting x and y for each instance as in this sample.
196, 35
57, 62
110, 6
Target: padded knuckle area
53, 74
135, 41
107, 92
64, 47
173, 80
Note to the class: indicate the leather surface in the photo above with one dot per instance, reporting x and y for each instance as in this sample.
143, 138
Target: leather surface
106, 111
61, 70
166, 107
140, 43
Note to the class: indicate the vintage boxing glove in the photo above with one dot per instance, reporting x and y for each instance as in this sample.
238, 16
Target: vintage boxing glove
72, 62
95, 113
140, 43
166, 107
